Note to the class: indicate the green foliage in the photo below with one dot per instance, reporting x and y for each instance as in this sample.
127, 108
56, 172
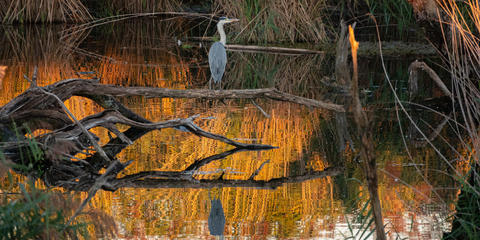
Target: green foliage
31, 155
360, 227
396, 15
33, 216
466, 220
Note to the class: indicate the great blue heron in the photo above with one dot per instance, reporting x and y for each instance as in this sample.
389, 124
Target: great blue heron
217, 56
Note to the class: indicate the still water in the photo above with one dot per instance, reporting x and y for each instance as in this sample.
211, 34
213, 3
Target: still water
416, 192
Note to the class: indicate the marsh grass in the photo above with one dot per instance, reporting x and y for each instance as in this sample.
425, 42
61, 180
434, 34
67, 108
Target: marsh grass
48, 11
108, 8
396, 16
276, 21
361, 225
461, 25
466, 221
33, 213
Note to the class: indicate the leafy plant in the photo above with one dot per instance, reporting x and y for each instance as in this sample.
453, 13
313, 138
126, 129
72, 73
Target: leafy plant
466, 220
33, 216
360, 227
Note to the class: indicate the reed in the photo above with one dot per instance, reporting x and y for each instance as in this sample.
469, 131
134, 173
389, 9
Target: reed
396, 16
108, 8
48, 11
461, 27
277, 20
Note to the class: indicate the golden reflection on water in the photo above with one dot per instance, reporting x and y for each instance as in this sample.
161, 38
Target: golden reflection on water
309, 209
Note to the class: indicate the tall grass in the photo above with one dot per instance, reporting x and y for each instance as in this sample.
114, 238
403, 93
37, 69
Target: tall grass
33, 216
396, 16
394, 12
106, 8
276, 20
47, 11
461, 25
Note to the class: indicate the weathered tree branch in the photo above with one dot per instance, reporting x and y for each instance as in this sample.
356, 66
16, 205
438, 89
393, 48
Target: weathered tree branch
88, 88
413, 70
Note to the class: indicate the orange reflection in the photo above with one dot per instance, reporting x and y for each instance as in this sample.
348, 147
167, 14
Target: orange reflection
303, 210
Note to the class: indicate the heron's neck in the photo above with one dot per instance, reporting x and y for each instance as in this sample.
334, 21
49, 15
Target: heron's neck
223, 37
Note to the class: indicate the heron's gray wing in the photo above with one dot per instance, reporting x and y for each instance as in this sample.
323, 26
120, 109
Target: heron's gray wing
217, 59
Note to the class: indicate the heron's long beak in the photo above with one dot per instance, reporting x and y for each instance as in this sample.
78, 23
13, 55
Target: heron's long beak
229, 20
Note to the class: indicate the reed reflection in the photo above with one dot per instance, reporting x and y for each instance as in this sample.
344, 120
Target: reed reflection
310, 140
33, 45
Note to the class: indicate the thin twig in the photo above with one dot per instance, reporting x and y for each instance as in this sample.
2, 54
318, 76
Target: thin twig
84, 130
260, 108
258, 170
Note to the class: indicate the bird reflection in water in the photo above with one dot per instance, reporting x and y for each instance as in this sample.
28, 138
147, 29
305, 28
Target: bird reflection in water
216, 219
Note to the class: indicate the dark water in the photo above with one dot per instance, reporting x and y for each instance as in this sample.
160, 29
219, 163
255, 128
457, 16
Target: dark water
415, 187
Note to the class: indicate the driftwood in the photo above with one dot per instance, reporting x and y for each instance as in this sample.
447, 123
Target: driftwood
413, 70
264, 49
43, 108
91, 89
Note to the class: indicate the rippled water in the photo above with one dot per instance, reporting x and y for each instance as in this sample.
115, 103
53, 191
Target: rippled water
415, 196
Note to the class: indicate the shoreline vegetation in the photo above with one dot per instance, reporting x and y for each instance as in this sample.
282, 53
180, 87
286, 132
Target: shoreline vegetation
451, 27
288, 21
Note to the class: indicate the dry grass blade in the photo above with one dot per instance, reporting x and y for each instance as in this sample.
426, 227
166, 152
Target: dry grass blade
279, 20
143, 6
48, 11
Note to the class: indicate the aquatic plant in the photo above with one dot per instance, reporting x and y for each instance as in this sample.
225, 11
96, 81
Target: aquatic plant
29, 212
33, 215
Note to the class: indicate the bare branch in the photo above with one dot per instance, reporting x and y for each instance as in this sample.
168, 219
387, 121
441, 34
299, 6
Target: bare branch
413, 79
258, 170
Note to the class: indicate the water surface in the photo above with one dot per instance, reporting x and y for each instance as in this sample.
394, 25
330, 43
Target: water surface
416, 192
